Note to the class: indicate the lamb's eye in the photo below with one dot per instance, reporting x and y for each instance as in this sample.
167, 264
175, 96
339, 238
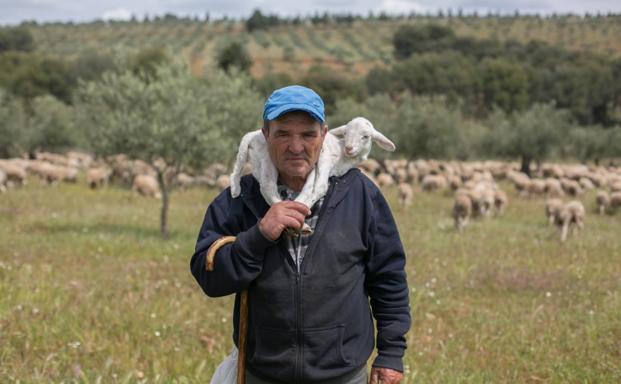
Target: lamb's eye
365, 137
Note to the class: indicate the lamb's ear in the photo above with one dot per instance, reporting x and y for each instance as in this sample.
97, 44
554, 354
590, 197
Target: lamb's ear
338, 131
383, 141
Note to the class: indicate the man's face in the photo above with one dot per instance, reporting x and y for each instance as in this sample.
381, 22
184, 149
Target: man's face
294, 142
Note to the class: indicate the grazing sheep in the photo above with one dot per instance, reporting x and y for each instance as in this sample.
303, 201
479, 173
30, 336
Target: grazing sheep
500, 202
223, 182
462, 210
184, 180
615, 201
552, 206
3, 181
571, 187
146, 185
384, 180
433, 183
553, 188
569, 216
602, 199
371, 166
405, 194
97, 177
536, 187
15, 175
615, 186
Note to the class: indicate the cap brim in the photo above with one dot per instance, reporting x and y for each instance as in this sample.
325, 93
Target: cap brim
293, 107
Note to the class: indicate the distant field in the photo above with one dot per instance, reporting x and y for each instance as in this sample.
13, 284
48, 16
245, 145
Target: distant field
89, 292
352, 49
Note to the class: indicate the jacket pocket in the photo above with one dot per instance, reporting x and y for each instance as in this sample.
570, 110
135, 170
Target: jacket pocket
274, 352
322, 349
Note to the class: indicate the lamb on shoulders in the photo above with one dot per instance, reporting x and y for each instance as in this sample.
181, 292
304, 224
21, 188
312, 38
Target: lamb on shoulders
343, 148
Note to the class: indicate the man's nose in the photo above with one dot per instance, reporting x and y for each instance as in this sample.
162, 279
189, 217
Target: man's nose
296, 146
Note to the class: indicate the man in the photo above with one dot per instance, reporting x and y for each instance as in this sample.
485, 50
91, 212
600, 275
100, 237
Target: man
309, 315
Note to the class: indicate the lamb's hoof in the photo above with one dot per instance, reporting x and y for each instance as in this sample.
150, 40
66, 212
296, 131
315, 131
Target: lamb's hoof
306, 230
292, 233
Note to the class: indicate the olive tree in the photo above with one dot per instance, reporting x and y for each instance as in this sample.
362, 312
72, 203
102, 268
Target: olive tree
172, 118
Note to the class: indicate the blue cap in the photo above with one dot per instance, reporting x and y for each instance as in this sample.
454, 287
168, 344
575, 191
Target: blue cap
294, 98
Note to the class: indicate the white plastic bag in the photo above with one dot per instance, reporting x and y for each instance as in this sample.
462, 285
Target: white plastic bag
226, 373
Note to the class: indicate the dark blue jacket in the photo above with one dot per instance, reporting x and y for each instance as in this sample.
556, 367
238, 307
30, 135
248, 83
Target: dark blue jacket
316, 325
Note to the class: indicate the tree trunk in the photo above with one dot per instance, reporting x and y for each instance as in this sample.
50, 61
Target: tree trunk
164, 211
525, 168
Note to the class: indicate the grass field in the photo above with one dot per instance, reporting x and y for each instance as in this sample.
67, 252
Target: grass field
89, 293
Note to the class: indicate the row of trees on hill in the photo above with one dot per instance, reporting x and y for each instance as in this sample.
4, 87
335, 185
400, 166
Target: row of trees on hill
489, 74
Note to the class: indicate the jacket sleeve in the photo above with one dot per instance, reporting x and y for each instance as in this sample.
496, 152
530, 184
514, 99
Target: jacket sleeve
236, 264
386, 283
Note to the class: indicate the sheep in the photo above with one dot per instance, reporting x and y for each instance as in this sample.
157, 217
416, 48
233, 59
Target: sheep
462, 210
97, 177
223, 182
184, 180
3, 181
569, 216
15, 175
405, 194
602, 199
371, 166
340, 155
615, 200
146, 185
500, 201
253, 149
433, 182
384, 180
551, 207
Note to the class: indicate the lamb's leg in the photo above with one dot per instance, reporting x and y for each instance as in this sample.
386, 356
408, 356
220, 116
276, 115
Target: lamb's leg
242, 156
564, 230
268, 181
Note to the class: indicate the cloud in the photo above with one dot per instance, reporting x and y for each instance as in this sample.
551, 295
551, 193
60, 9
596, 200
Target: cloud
117, 14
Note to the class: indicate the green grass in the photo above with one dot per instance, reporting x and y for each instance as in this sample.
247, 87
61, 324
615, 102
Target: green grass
90, 293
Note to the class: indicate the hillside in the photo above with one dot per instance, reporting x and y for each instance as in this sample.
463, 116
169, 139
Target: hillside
352, 48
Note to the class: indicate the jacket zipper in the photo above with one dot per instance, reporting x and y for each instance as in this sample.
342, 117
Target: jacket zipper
298, 285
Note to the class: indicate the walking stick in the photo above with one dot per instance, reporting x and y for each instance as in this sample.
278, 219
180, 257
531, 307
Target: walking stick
243, 309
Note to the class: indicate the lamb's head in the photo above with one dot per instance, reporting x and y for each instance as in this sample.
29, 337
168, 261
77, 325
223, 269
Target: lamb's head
357, 137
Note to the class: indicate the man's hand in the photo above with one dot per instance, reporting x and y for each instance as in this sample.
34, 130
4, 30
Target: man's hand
385, 376
282, 215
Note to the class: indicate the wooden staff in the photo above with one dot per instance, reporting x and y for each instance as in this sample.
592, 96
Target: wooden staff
243, 309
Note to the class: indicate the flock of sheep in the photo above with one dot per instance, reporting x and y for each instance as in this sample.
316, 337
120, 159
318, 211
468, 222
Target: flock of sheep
474, 184
477, 193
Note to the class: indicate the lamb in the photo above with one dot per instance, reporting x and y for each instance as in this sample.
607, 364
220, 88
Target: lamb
405, 194
569, 216
433, 182
336, 158
615, 200
223, 182
97, 177
462, 210
500, 201
384, 180
552, 206
3, 180
15, 174
602, 199
146, 185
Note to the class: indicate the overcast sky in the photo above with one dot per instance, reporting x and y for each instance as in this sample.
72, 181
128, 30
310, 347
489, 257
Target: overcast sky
15, 11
